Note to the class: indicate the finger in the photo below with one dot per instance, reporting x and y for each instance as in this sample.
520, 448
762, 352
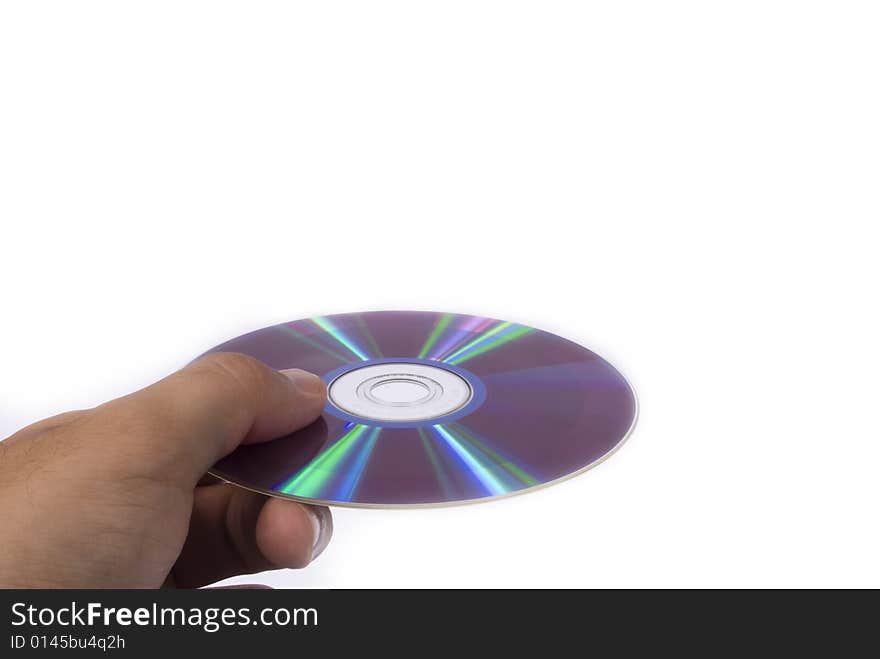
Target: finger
277, 530
194, 417
235, 531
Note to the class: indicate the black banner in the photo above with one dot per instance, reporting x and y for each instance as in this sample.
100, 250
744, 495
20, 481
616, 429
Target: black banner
233, 622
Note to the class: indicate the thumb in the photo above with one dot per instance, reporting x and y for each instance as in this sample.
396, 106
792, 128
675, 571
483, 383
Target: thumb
186, 422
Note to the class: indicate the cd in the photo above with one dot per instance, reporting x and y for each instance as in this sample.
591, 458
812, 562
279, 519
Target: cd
432, 409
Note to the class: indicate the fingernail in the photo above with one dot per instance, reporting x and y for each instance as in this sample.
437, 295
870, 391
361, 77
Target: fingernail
308, 383
322, 527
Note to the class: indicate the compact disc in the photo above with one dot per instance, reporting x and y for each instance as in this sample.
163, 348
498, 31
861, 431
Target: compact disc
432, 409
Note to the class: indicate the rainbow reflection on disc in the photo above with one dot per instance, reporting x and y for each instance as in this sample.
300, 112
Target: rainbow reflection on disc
432, 409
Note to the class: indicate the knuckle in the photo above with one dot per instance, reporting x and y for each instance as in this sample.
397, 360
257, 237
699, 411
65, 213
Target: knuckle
235, 365
246, 376
114, 420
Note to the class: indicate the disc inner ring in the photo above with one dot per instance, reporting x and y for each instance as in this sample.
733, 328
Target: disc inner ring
399, 392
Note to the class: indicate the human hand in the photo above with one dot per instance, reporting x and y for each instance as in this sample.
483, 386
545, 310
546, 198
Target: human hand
112, 497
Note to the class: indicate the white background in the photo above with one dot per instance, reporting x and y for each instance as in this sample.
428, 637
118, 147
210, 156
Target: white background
688, 188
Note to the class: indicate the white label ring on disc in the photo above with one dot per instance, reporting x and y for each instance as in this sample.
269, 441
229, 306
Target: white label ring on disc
399, 392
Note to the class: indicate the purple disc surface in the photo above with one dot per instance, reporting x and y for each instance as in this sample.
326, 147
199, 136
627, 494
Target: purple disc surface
432, 409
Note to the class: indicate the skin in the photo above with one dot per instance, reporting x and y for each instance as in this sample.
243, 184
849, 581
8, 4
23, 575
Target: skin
115, 496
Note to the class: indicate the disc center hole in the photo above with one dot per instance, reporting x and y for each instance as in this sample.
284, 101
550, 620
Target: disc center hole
399, 391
